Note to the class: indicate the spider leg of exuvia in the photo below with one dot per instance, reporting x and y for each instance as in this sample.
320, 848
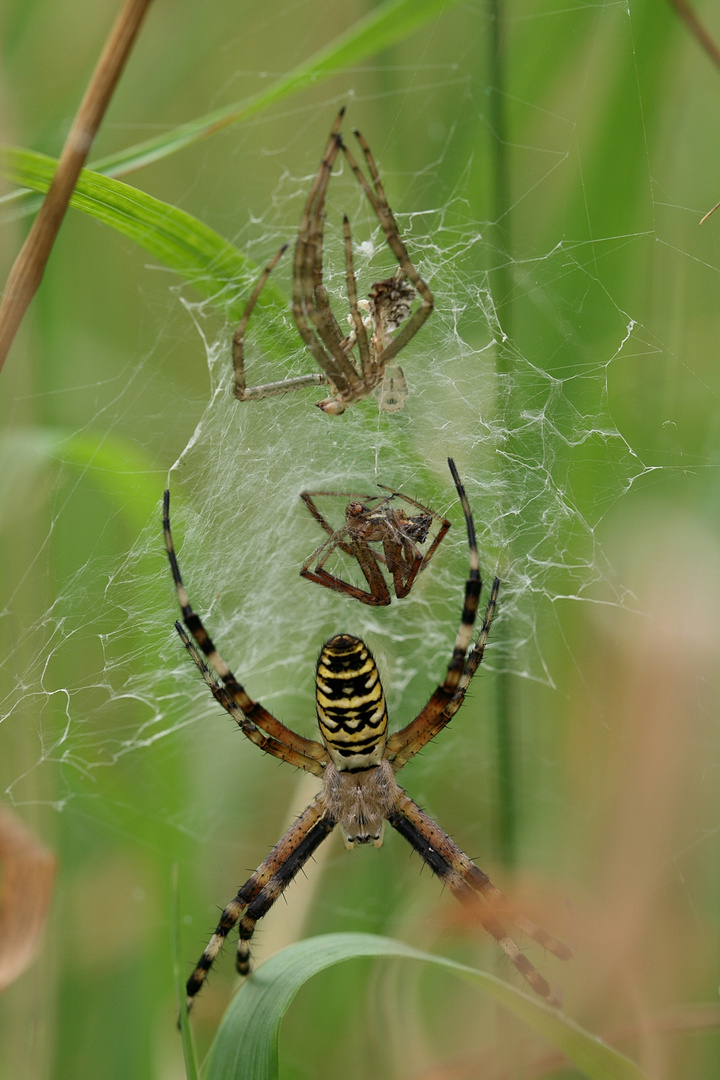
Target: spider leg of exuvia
387, 219
239, 336
283, 386
366, 359
308, 269
396, 244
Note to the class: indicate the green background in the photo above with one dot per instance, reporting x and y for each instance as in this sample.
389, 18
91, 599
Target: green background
582, 774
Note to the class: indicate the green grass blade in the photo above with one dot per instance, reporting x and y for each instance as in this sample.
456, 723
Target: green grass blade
119, 468
180, 241
189, 1055
383, 26
214, 266
246, 1045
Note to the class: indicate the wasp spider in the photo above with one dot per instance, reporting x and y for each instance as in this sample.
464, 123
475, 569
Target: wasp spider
387, 306
357, 761
375, 520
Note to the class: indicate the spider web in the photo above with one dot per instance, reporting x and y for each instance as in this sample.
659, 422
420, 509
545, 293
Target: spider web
569, 368
518, 436
528, 420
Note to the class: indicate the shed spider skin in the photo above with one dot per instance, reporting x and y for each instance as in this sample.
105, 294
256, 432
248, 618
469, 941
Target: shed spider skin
375, 520
380, 326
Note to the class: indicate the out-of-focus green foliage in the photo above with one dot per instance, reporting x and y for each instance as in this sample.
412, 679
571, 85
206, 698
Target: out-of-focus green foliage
587, 236
247, 1043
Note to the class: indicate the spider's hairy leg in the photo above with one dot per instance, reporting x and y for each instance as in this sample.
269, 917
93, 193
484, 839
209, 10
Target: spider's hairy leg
260, 891
312, 305
379, 203
266, 743
471, 887
501, 902
472, 589
476, 654
405, 743
366, 362
434, 718
308, 754
295, 857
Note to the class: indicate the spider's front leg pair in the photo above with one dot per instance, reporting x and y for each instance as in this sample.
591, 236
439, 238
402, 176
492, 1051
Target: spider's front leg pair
357, 762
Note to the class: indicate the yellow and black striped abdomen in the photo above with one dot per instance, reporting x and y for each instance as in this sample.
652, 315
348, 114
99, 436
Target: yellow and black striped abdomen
350, 704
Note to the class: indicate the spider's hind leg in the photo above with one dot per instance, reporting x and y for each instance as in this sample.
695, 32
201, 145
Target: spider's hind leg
471, 887
259, 893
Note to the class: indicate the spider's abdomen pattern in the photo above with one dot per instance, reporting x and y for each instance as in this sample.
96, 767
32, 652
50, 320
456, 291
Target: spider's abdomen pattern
351, 708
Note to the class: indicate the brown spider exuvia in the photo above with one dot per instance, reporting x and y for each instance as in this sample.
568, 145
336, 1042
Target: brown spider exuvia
357, 761
388, 304
375, 519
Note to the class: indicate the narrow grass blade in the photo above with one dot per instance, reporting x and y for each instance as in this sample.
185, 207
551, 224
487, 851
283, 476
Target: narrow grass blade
385, 25
189, 1055
246, 1045
200, 255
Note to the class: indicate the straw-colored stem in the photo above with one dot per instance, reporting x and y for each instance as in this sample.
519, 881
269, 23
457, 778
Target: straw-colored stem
28, 269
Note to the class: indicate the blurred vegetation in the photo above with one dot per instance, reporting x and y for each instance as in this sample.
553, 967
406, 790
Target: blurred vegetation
588, 207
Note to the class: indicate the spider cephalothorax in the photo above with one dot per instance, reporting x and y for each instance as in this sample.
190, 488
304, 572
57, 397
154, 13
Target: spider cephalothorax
357, 762
388, 305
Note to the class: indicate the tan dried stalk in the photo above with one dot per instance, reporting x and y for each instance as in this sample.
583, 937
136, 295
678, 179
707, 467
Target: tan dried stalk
27, 271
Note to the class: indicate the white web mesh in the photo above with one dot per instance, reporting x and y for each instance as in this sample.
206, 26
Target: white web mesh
549, 193
524, 436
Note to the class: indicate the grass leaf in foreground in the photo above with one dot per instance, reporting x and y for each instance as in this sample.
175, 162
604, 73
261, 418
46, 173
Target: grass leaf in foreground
246, 1045
209, 262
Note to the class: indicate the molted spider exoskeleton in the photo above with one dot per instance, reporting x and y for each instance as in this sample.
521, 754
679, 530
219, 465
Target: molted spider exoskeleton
378, 338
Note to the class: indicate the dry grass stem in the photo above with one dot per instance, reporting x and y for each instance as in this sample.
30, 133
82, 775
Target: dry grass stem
27, 271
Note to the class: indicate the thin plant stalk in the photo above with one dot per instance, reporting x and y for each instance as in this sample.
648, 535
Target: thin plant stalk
28, 269
502, 286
